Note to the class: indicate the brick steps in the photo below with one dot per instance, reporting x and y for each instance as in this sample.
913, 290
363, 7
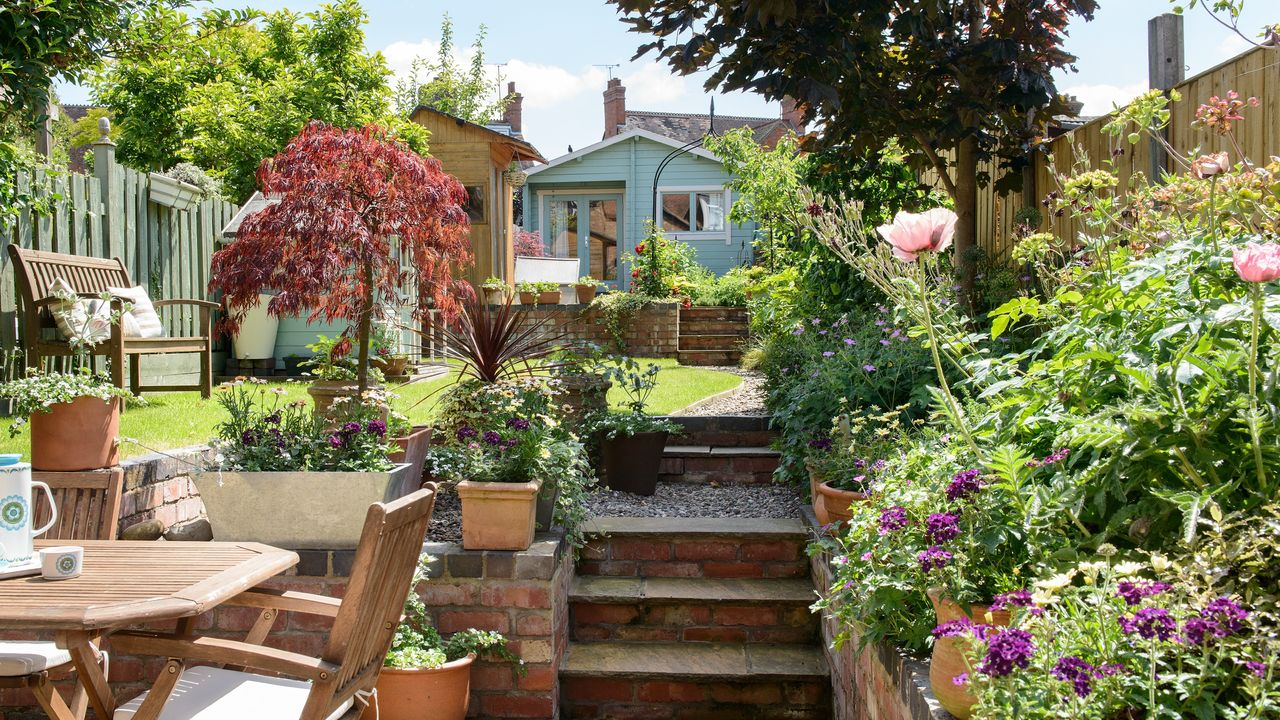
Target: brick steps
720, 342
695, 548
721, 465
712, 335
724, 431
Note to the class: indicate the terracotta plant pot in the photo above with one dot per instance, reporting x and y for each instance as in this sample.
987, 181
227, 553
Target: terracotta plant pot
550, 297
948, 658
836, 502
392, 366
497, 515
413, 452
528, 298
405, 694
495, 296
586, 293
79, 435
819, 508
631, 463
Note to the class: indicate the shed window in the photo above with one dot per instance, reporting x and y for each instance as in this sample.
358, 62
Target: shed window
698, 211
475, 203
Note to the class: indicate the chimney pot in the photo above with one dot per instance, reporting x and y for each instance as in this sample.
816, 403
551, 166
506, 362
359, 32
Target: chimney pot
615, 107
513, 115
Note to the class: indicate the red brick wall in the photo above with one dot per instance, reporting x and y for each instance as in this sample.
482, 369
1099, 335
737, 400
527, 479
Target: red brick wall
652, 332
160, 487
691, 557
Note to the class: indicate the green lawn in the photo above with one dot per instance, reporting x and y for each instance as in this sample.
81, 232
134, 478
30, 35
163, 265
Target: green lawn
173, 420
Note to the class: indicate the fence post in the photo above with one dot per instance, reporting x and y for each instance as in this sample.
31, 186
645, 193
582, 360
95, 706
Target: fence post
1166, 68
105, 170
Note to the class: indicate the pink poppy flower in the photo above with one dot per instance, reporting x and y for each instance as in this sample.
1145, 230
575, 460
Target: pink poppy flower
1257, 263
1207, 166
913, 233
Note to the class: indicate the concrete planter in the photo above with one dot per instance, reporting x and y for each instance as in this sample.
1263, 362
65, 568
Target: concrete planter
497, 515
311, 510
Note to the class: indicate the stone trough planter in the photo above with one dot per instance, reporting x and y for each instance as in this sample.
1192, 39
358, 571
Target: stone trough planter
316, 510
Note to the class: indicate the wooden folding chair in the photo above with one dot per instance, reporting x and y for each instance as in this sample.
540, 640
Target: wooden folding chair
328, 686
88, 506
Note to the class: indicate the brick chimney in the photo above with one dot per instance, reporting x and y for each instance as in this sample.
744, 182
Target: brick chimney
792, 112
512, 114
615, 107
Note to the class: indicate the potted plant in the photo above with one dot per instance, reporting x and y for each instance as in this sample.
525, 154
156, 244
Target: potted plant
424, 670
333, 370
495, 288
293, 365
360, 217
586, 288
386, 355
583, 387
548, 292
632, 442
275, 460
182, 186
75, 414
847, 465
528, 292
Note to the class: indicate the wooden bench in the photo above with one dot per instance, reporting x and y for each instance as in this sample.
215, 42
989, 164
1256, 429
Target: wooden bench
35, 271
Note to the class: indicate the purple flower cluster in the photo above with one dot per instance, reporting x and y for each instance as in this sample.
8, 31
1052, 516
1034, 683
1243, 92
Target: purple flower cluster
464, 433
935, 558
823, 444
1133, 591
893, 519
518, 424
964, 485
1016, 598
1079, 673
491, 437
1220, 618
377, 427
1006, 650
1257, 668
942, 527
954, 628
1150, 623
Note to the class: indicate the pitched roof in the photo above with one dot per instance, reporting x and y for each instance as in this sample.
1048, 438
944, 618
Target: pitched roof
687, 127
524, 151
632, 133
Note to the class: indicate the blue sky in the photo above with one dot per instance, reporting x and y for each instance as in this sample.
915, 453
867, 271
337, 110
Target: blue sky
551, 49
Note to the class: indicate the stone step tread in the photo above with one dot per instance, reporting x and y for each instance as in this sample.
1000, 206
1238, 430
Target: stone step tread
633, 590
736, 529
755, 662
708, 450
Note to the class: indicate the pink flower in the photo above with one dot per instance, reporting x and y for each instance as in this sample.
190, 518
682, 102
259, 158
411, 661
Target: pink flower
913, 233
1257, 263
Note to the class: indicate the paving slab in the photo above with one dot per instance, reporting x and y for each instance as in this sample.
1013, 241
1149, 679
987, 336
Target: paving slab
729, 590
736, 528
587, 588
785, 661
747, 451
690, 661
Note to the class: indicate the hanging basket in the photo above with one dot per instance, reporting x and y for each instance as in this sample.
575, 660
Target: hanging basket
517, 178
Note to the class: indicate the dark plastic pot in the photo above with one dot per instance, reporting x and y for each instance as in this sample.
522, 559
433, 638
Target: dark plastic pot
544, 515
631, 463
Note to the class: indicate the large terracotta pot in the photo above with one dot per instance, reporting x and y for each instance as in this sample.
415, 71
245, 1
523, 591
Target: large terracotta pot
586, 293
324, 392
413, 452
497, 515
444, 693
79, 435
631, 462
815, 479
948, 659
836, 502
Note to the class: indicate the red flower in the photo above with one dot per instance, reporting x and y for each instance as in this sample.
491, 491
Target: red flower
635, 273
640, 248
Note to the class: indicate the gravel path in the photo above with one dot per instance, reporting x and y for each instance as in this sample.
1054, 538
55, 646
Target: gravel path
697, 500
746, 399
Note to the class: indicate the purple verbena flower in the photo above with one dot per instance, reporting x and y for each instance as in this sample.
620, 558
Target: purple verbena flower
1006, 649
336, 440
518, 424
942, 527
823, 444
491, 437
1079, 673
935, 558
376, 427
272, 419
351, 427
249, 437
1149, 623
1016, 598
1257, 668
1133, 591
466, 432
964, 485
954, 628
893, 519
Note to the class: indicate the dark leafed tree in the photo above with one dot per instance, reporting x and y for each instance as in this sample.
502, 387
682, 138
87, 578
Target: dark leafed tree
351, 204
959, 81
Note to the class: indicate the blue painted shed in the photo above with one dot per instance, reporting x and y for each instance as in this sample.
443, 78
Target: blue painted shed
595, 204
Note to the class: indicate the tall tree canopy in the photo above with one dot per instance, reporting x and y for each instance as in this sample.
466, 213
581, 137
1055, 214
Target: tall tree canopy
226, 96
969, 76
461, 91
352, 204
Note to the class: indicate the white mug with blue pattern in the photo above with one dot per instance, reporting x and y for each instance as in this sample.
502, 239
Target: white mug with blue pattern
17, 526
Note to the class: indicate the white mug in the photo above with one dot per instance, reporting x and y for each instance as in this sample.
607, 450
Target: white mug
17, 530
61, 563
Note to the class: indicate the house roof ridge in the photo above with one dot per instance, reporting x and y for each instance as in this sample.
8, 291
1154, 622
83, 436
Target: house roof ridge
655, 113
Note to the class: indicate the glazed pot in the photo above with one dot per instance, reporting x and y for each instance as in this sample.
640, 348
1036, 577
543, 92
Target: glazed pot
948, 658
631, 462
819, 508
413, 452
79, 435
836, 502
498, 515
528, 298
405, 694
586, 293
545, 514
550, 297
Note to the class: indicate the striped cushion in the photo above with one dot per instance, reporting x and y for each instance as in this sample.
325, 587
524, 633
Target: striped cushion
143, 313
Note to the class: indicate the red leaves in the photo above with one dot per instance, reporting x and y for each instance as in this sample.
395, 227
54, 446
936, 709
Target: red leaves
351, 204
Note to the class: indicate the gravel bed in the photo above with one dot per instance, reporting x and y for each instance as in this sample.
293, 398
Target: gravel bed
746, 399
446, 518
698, 500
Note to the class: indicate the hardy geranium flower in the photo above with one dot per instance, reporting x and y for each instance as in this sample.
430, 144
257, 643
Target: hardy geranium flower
1257, 263
913, 233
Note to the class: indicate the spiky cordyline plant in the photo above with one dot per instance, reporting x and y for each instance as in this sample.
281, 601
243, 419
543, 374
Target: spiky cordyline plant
502, 342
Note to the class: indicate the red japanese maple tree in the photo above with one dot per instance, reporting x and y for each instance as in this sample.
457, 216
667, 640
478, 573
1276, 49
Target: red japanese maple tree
344, 201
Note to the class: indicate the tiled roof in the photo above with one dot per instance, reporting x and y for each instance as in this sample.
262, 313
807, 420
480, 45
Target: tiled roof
687, 127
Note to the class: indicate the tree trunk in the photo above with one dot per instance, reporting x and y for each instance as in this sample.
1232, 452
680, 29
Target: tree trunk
966, 199
366, 325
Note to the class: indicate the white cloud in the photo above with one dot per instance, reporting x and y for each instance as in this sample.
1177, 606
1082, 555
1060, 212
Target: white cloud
1231, 46
654, 86
547, 86
1102, 99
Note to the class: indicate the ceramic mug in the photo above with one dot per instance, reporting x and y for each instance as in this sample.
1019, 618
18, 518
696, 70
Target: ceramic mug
17, 529
61, 563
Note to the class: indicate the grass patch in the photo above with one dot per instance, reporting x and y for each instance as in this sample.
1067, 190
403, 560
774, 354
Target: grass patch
180, 419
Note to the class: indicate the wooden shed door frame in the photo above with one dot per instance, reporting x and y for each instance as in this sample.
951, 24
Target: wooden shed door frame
584, 199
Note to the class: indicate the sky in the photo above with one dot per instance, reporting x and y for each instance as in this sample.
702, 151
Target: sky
554, 51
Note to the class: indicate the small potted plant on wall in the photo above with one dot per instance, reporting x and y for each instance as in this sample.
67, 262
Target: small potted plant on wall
424, 670
386, 355
75, 414
586, 289
333, 371
632, 441
528, 292
855, 457
495, 289
548, 292
583, 386
353, 204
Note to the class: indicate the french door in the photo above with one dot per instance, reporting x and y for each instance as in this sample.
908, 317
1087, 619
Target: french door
587, 227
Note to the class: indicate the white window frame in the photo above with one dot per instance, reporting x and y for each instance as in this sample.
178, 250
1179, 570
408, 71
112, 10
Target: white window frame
691, 190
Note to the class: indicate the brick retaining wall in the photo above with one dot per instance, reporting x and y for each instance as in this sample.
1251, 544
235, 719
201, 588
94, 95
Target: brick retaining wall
652, 332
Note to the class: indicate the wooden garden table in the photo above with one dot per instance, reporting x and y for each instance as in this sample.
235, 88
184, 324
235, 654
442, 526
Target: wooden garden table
127, 583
